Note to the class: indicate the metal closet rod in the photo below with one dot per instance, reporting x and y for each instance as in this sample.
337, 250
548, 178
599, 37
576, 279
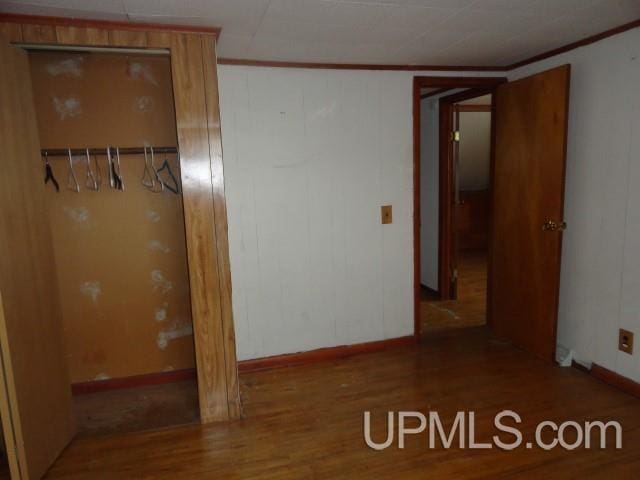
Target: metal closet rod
64, 152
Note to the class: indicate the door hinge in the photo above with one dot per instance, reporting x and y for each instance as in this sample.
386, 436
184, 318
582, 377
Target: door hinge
454, 275
455, 136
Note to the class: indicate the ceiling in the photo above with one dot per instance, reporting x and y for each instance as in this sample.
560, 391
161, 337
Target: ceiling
423, 32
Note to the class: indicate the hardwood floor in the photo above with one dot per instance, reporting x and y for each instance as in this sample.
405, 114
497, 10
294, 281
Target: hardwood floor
306, 422
470, 308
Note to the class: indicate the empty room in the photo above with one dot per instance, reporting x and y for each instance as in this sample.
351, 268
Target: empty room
319, 239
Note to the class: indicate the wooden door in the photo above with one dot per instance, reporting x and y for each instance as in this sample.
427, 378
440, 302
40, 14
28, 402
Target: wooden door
36, 391
528, 193
455, 210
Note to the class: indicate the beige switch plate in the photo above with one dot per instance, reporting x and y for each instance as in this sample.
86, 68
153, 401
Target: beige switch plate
387, 214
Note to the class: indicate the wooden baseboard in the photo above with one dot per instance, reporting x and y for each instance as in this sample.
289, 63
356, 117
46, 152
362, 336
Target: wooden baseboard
133, 381
616, 380
322, 354
253, 365
611, 378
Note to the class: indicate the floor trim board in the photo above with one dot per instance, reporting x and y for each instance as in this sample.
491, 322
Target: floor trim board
94, 386
322, 354
244, 366
615, 380
610, 378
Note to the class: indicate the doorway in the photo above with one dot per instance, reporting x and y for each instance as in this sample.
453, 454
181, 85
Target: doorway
455, 137
456, 257
529, 118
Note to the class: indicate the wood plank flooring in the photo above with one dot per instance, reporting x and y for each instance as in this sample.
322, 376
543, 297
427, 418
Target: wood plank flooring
470, 308
306, 422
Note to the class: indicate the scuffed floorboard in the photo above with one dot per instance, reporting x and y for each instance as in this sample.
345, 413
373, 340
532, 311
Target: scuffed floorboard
137, 409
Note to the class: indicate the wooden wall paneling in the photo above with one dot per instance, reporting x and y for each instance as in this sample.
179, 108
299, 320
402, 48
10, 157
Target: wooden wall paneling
198, 198
11, 32
127, 38
200, 165
159, 39
32, 345
220, 210
7, 400
38, 34
70, 35
472, 220
106, 24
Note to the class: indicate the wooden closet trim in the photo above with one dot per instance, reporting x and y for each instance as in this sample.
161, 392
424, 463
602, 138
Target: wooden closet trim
195, 89
106, 24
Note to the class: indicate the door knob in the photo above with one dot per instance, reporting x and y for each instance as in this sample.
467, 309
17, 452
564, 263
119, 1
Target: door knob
551, 226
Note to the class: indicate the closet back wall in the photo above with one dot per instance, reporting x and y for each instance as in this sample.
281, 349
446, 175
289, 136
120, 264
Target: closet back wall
120, 256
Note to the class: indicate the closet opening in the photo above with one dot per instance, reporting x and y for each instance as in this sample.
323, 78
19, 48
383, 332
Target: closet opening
107, 130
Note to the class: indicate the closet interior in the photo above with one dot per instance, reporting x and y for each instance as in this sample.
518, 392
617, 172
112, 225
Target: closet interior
107, 130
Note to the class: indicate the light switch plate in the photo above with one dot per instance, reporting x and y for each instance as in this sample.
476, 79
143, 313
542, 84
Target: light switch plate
387, 214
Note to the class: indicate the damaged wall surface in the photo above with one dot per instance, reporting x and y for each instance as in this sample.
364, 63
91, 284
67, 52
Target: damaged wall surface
120, 256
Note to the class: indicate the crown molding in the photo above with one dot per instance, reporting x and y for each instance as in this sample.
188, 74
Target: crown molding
356, 66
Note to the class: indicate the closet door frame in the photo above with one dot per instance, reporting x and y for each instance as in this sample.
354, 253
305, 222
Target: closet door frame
196, 102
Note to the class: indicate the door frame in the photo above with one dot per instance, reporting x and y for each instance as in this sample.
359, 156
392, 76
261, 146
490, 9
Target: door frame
447, 247
196, 102
478, 84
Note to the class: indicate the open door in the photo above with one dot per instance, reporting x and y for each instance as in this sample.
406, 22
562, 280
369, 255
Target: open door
36, 395
527, 209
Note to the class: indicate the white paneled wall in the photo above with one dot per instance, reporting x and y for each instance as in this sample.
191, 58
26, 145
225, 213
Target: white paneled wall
600, 284
310, 155
309, 158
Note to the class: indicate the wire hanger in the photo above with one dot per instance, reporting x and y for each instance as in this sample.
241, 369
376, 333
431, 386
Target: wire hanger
150, 177
112, 180
72, 180
156, 174
176, 186
148, 180
90, 180
48, 173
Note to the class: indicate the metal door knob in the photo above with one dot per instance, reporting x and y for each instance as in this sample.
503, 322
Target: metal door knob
551, 226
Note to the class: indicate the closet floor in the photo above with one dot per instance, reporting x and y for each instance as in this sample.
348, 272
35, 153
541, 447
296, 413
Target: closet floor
137, 409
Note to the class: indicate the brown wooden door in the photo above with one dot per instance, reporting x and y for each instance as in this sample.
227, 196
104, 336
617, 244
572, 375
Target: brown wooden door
36, 389
528, 191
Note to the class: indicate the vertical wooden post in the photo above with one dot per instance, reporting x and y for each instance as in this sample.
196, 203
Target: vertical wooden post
220, 210
199, 215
